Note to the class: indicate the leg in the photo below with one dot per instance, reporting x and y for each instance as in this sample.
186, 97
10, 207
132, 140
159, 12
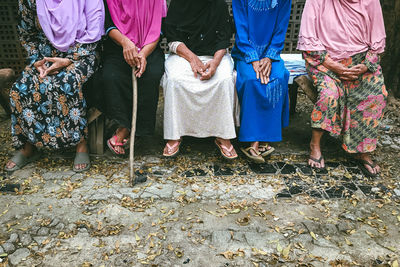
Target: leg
316, 160
148, 93
293, 89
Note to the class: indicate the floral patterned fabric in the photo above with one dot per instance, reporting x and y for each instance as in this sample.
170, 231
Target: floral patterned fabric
349, 109
49, 112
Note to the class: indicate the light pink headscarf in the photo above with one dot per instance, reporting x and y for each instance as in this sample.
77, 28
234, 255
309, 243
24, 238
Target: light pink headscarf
342, 27
66, 22
139, 20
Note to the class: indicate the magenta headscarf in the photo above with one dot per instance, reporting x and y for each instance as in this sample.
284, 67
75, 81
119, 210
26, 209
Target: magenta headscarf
342, 27
66, 22
139, 20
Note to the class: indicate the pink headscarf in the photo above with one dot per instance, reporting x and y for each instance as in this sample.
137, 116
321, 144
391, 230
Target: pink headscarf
342, 27
139, 20
66, 22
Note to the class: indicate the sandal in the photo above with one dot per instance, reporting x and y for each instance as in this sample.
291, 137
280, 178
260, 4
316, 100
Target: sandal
113, 143
20, 160
317, 161
171, 148
222, 148
80, 159
364, 170
267, 149
257, 159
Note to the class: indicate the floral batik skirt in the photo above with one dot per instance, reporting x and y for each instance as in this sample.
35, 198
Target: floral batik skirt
50, 112
351, 110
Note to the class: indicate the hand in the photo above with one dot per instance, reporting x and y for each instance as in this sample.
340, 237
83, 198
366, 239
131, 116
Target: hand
197, 66
354, 72
142, 65
58, 63
40, 66
265, 67
210, 69
256, 67
130, 52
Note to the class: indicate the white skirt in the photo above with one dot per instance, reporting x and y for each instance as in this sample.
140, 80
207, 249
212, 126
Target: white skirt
198, 108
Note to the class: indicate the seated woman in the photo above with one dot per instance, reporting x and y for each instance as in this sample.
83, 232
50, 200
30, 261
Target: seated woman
133, 28
342, 41
262, 79
48, 108
198, 81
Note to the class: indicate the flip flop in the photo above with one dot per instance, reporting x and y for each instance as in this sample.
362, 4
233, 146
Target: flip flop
256, 159
81, 158
222, 148
21, 161
317, 161
365, 171
268, 149
170, 148
112, 143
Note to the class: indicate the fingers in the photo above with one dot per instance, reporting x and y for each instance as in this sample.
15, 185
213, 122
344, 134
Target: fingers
208, 74
129, 59
41, 70
142, 67
348, 78
49, 70
50, 59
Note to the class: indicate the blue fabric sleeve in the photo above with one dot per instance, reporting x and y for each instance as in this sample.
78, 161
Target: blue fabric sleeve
242, 34
279, 35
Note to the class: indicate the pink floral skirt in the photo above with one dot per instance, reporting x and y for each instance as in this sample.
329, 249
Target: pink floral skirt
351, 110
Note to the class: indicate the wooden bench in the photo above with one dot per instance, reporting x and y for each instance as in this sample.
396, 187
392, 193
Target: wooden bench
7, 77
12, 55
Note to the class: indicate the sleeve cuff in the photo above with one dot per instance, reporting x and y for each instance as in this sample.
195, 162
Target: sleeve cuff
251, 57
111, 28
273, 54
173, 46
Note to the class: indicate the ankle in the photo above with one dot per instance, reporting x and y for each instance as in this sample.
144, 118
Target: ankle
122, 133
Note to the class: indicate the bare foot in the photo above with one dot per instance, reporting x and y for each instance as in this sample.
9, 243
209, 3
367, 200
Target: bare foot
27, 151
255, 146
366, 157
226, 146
118, 143
81, 148
171, 148
316, 155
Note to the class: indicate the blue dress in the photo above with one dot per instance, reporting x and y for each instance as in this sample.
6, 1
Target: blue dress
261, 27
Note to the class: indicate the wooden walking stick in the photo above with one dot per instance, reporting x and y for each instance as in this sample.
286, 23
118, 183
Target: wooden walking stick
133, 127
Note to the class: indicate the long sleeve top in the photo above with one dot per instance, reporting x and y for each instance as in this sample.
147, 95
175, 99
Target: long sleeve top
260, 28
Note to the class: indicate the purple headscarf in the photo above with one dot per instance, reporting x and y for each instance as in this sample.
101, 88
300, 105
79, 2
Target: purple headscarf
66, 22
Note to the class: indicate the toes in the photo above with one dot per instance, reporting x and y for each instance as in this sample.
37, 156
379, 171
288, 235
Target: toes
10, 165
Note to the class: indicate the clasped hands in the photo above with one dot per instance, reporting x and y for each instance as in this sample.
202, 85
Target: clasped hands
262, 68
204, 71
344, 73
57, 64
351, 74
134, 58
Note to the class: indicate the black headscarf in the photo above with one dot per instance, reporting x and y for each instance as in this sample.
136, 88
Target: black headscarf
204, 26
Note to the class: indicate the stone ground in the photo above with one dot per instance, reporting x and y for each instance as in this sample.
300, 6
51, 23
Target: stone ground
199, 210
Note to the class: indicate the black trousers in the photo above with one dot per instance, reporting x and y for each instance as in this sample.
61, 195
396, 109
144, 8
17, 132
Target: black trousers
112, 92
